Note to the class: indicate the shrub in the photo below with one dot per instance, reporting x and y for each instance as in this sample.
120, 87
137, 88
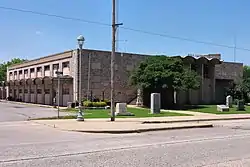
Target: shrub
94, 104
107, 102
99, 104
88, 104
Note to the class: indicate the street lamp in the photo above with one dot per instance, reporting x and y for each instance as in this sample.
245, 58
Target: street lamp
58, 73
80, 41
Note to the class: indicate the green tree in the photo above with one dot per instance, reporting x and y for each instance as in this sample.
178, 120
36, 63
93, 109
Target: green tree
159, 72
4, 65
241, 88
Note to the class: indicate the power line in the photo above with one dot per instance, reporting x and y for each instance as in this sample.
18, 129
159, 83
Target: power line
184, 39
125, 28
53, 15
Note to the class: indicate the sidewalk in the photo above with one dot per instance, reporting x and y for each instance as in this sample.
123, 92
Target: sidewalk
117, 127
132, 125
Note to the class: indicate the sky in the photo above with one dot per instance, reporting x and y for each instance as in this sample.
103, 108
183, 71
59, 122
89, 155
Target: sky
29, 36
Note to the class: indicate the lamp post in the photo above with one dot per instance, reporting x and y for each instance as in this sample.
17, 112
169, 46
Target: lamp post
58, 73
80, 41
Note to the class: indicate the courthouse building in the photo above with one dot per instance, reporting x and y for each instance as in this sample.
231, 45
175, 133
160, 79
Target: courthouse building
36, 81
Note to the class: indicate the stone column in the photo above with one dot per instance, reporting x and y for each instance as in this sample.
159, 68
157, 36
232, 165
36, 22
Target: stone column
7, 91
43, 93
17, 92
60, 68
23, 88
51, 70
29, 95
35, 70
43, 73
35, 92
29, 74
60, 92
51, 93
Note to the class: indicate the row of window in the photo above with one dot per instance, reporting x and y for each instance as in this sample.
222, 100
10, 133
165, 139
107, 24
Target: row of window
65, 91
205, 70
39, 69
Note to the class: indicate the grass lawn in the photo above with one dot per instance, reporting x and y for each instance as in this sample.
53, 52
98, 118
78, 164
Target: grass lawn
213, 110
101, 113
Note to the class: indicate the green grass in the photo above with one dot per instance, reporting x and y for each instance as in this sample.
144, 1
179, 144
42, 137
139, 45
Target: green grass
213, 110
101, 113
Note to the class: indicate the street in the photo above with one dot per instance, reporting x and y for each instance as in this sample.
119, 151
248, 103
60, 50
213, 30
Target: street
19, 112
26, 143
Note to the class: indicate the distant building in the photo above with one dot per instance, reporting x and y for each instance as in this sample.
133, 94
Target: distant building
36, 81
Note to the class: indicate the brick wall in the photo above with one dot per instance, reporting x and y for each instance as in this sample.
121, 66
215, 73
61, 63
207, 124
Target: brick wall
100, 74
229, 70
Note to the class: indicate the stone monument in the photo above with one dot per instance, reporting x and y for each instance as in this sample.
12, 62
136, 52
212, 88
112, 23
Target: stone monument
229, 101
121, 110
139, 98
240, 105
155, 103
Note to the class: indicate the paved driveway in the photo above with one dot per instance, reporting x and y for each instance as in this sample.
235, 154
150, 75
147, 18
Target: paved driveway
20, 112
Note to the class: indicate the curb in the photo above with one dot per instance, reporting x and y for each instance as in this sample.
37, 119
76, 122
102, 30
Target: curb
194, 120
144, 130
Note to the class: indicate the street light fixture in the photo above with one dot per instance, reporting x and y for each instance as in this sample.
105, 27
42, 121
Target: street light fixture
59, 74
80, 40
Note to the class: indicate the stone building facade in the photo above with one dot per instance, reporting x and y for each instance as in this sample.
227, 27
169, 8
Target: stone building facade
36, 81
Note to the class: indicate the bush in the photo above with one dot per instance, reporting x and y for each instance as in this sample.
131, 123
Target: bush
88, 104
94, 104
99, 104
107, 102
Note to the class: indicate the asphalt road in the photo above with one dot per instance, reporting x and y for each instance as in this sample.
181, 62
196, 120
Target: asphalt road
25, 144
19, 112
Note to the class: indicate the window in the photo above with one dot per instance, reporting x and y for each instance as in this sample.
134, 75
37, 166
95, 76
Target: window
39, 69
47, 91
20, 72
32, 70
20, 91
55, 66
206, 71
32, 91
65, 64
39, 91
15, 73
46, 68
11, 73
25, 71
25, 90
194, 67
65, 91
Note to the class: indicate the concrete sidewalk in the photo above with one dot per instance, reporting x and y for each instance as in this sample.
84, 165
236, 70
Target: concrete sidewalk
132, 125
104, 126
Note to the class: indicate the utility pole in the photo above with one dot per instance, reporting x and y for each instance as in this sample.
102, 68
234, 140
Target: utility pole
112, 63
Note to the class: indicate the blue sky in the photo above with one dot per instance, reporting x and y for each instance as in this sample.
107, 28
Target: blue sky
31, 36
